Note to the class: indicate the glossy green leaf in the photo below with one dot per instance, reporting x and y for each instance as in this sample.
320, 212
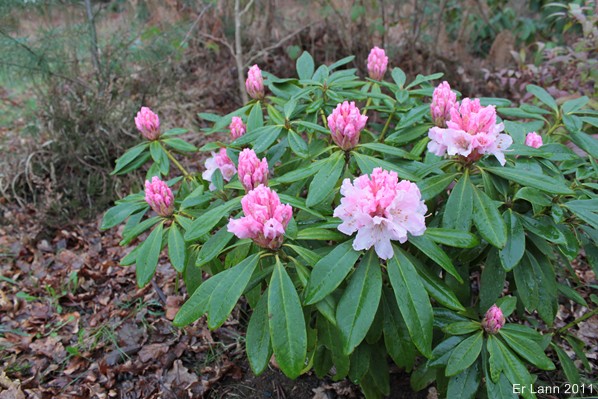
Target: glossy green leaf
527, 349
305, 66
567, 365
390, 150
453, 238
435, 185
148, 256
206, 222
129, 158
465, 354
213, 246
492, 281
586, 142
488, 220
259, 350
461, 327
287, 324
543, 96
118, 213
325, 180
531, 179
297, 144
330, 272
396, 336
514, 248
465, 385
414, 303
443, 351
357, 307
459, 207
197, 305
229, 290
180, 145
434, 252
176, 248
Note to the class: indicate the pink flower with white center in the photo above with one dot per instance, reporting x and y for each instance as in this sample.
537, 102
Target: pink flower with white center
237, 127
159, 196
494, 320
380, 209
219, 161
255, 83
534, 140
148, 123
265, 218
471, 132
377, 63
252, 171
345, 124
443, 101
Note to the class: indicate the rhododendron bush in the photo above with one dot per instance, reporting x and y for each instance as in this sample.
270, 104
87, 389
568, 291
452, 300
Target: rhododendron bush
376, 220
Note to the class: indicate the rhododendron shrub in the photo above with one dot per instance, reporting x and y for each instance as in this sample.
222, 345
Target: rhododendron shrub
367, 222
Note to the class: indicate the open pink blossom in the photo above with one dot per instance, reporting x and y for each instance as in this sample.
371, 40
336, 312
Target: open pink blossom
377, 63
255, 83
345, 124
534, 140
471, 132
494, 320
443, 101
220, 161
237, 127
380, 209
265, 218
148, 123
252, 171
159, 196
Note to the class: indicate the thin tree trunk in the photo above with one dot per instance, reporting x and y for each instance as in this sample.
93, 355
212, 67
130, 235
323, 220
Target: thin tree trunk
95, 54
239, 52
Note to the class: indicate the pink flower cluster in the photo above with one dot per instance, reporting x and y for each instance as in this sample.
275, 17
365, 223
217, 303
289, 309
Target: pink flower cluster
345, 124
252, 171
255, 83
148, 123
471, 132
159, 196
237, 127
265, 218
380, 209
494, 320
219, 161
377, 63
534, 140
443, 101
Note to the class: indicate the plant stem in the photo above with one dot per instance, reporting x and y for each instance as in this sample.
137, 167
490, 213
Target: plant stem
577, 321
381, 138
174, 161
324, 118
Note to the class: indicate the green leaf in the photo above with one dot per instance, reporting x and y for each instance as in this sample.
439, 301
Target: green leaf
213, 246
305, 66
390, 150
148, 256
567, 365
453, 238
325, 180
461, 327
229, 290
502, 359
531, 179
399, 77
434, 252
514, 248
256, 118
301, 173
120, 212
297, 144
257, 343
308, 255
507, 304
527, 284
527, 349
178, 130
492, 281
396, 336
543, 96
176, 248
180, 145
543, 226
357, 307
435, 185
464, 385
129, 157
198, 303
316, 233
413, 302
135, 231
488, 220
421, 79
465, 354
459, 207
287, 324
330, 272
203, 224
571, 106
586, 142
367, 164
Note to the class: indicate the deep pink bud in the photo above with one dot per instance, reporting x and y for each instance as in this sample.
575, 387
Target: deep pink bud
255, 83
265, 218
345, 124
494, 320
534, 140
237, 127
443, 101
377, 63
159, 196
148, 123
252, 172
